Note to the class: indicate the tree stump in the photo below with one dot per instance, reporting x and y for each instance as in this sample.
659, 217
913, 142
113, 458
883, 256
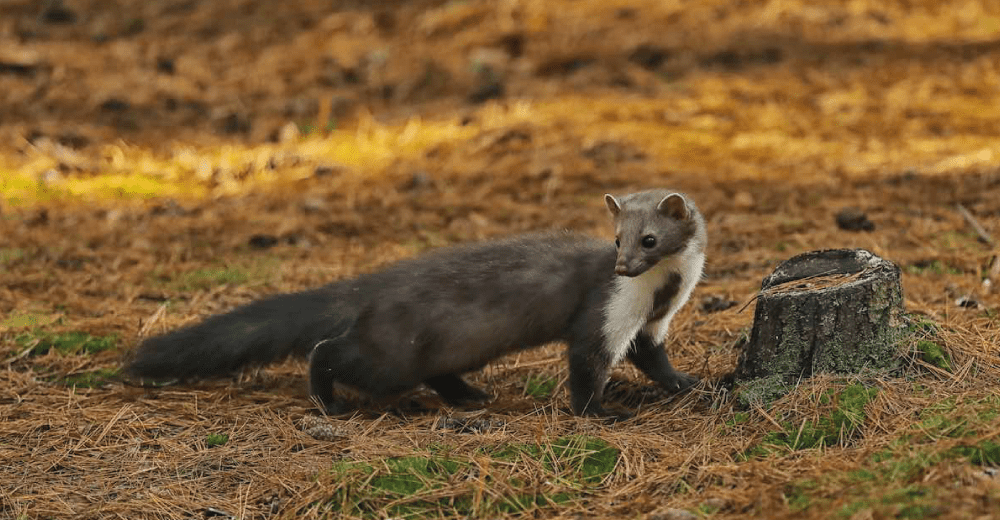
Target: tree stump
836, 311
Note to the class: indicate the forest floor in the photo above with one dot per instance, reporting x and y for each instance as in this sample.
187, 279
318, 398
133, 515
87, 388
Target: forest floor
164, 161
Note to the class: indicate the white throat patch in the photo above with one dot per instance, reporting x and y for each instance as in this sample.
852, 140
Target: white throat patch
632, 299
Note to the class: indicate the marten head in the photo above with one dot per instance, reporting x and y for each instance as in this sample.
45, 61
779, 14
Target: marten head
653, 225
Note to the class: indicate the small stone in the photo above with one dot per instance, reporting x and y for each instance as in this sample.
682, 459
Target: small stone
489, 57
50, 177
313, 205
649, 56
57, 13
322, 429
715, 504
288, 133
465, 425
743, 200
486, 91
418, 181
384, 21
235, 123
966, 302
165, 65
325, 170
671, 513
40, 218
261, 241
302, 108
115, 105
716, 304
853, 219
114, 215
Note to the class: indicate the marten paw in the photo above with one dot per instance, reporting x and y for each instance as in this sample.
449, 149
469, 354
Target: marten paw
472, 397
680, 382
609, 416
456, 392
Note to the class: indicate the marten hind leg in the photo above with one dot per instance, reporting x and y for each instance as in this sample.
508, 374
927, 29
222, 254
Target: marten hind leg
456, 392
323, 361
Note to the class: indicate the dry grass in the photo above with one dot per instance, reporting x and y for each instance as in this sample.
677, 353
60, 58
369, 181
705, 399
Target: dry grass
130, 221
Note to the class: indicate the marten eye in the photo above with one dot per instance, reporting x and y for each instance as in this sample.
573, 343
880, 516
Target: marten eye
618, 243
649, 241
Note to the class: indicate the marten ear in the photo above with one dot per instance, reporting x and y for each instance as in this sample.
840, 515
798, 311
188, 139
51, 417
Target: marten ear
675, 206
613, 206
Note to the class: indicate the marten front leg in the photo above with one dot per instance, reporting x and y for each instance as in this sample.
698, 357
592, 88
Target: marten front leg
653, 361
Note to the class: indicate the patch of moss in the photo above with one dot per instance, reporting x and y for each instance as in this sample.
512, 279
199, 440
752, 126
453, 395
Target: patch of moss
409, 487
21, 320
201, 279
932, 266
913, 501
527, 501
861, 476
513, 452
841, 424
937, 426
73, 342
761, 391
396, 487
210, 277
799, 495
216, 439
984, 453
738, 418
92, 379
889, 487
890, 481
586, 458
918, 324
933, 354
540, 386
9, 255
406, 476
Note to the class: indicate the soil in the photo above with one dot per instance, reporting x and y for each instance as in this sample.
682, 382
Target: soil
165, 161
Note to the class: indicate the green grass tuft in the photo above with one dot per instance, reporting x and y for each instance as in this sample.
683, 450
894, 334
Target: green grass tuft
540, 386
738, 418
9, 255
798, 495
216, 439
843, 423
933, 354
889, 481
73, 342
984, 453
411, 487
586, 458
201, 279
933, 266
94, 379
258, 271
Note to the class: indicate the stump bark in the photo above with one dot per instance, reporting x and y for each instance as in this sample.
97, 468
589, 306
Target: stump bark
834, 311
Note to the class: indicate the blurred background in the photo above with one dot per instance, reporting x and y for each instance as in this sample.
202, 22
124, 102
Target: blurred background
162, 161
138, 99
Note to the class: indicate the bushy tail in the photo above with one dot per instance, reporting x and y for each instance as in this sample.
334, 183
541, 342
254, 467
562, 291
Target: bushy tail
255, 334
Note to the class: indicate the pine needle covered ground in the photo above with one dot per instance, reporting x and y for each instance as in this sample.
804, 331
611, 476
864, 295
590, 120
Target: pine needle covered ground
163, 161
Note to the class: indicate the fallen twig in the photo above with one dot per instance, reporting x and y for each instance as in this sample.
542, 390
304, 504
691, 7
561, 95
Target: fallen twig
984, 236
